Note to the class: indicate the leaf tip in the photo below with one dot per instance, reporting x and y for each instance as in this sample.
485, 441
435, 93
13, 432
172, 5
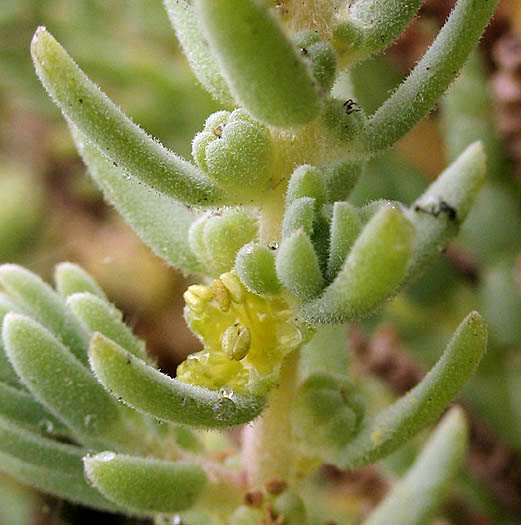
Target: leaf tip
40, 38
11, 326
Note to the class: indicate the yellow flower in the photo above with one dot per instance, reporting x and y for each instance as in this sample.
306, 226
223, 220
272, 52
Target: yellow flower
245, 336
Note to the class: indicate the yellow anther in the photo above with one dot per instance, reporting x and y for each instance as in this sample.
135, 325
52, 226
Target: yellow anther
236, 342
196, 297
233, 284
221, 295
202, 291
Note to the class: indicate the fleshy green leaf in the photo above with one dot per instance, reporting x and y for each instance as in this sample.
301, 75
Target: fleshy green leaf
58, 380
371, 26
262, 67
49, 466
345, 228
42, 302
255, 265
100, 316
327, 412
439, 212
298, 267
196, 49
321, 57
306, 181
371, 273
239, 157
151, 392
66, 486
145, 485
341, 178
223, 235
160, 221
422, 405
39, 451
7, 372
71, 278
416, 498
431, 76
343, 123
21, 407
114, 134
299, 215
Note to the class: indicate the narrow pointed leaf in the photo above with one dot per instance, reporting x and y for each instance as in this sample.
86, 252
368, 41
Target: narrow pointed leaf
43, 303
187, 28
422, 405
438, 214
114, 134
417, 497
71, 278
431, 76
371, 273
151, 392
160, 221
145, 485
298, 267
58, 380
345, 228
100, 316
21, 407
262, 67
372, 25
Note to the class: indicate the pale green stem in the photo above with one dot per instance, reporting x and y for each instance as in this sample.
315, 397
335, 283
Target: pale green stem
271, 217
268, 448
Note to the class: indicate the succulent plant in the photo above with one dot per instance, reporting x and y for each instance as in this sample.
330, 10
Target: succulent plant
262, 218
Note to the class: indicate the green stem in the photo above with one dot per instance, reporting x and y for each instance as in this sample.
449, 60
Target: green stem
271, 217
267, 444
